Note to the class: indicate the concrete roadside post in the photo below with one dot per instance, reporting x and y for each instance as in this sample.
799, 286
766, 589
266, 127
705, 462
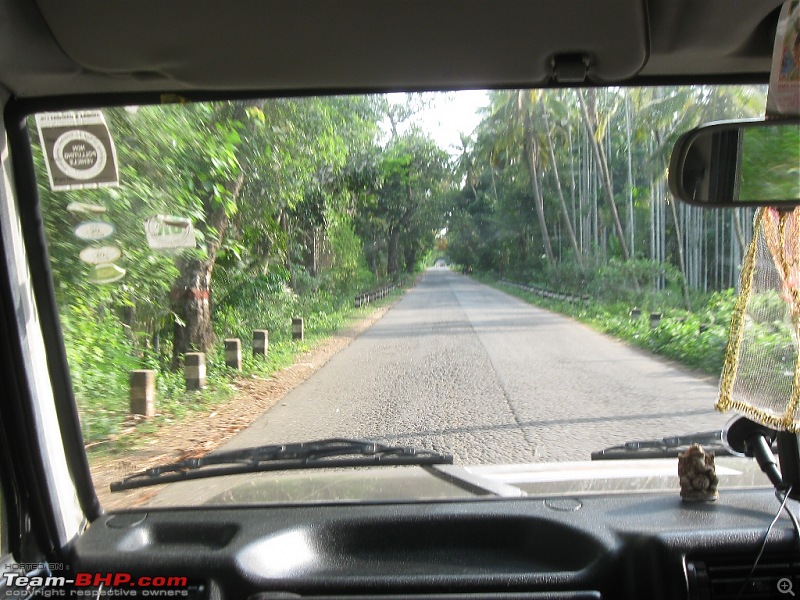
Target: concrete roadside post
143, 393
233, 353
194, 366
297, 329
260, 342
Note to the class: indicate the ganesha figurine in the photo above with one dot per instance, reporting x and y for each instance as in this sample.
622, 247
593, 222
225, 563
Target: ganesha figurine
697, 474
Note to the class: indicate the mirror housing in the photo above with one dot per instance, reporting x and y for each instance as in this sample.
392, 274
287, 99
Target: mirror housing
738, 163
744, 437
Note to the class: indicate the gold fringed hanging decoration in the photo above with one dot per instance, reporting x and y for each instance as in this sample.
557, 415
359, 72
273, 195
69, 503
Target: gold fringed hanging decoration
761, 375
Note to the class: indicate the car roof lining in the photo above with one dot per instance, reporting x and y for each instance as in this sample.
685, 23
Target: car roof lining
65, 47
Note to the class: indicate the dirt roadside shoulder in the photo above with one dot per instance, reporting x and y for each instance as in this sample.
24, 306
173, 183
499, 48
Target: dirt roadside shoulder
203, 432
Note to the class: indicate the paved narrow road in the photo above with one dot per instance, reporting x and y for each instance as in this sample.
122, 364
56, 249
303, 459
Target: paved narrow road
457, 366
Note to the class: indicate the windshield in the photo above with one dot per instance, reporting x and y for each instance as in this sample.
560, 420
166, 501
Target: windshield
497, 276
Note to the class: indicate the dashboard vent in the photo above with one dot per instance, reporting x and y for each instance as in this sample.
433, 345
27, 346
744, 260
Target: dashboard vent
726, 577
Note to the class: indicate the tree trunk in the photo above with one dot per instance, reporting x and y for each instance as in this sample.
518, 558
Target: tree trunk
314, 252
494, 182
530, 150
681, 260
191, 294
631, 214
605, 177
564, 210
191, 303
411, 258
737, 227
394, 243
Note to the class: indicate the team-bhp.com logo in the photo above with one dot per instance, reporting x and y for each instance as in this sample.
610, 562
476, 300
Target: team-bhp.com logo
89, 584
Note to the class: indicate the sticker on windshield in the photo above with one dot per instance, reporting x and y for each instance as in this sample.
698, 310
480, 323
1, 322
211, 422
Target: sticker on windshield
78, 148
97, 255
83, 207
91, 231
106, 273
169, 233
783, 98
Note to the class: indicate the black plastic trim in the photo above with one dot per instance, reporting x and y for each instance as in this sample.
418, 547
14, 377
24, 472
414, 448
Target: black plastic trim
31, 105
28, 506
44, 295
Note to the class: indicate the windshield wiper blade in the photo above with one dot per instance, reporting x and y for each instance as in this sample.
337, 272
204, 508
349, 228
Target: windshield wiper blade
668, 447
319, 454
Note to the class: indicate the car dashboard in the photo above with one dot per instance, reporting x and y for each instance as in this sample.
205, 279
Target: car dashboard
637, 545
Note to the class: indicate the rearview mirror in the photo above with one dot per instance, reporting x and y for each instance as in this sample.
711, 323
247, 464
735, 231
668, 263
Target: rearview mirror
738, 163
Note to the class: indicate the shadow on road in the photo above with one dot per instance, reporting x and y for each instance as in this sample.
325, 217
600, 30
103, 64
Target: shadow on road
608, 419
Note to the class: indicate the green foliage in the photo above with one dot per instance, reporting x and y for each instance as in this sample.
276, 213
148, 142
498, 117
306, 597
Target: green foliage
99, 354
262, 302
399, 208
348, 272
770, 164
615, 281
601, 180
269, 187
624, 281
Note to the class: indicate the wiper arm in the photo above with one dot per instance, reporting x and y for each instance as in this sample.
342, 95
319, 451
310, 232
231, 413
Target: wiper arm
668, 447
319, 454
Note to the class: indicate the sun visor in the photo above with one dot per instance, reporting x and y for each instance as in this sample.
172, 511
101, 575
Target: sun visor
351, 43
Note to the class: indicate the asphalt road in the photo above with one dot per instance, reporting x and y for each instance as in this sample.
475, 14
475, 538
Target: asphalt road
459, 367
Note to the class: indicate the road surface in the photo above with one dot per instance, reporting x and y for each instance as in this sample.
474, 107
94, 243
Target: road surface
462, 368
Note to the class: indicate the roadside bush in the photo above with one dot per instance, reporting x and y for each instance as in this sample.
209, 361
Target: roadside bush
262, 302
348, 273
567, 277
100, 355
632, 281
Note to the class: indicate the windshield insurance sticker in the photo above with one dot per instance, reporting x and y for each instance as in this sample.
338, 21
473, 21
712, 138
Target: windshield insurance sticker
78, 148
784, 81
100, 255
169, 233
91, 231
